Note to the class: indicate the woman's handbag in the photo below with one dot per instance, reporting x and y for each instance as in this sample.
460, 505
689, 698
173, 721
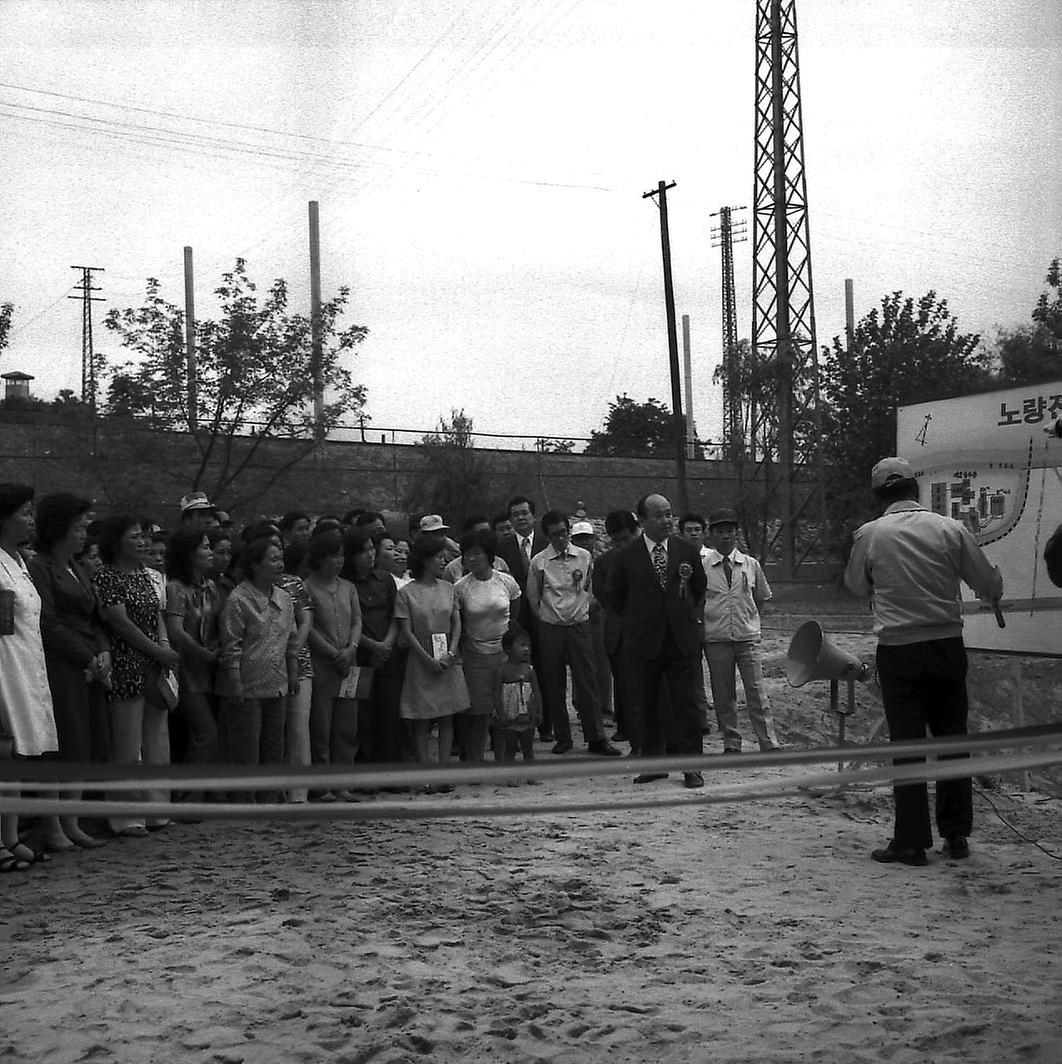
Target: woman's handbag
160, 688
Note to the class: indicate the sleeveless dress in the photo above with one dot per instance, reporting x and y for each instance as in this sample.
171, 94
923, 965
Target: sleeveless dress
25, 698
430, 610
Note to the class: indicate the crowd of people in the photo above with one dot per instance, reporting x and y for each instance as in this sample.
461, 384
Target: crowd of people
336, 641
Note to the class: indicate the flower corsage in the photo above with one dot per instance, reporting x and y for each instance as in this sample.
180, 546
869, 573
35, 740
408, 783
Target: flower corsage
685, 571
577, 579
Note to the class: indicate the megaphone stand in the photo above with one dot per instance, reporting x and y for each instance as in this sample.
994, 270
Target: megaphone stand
842, 714
813, 657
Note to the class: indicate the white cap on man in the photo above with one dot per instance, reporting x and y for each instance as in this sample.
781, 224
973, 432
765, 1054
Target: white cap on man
196, 500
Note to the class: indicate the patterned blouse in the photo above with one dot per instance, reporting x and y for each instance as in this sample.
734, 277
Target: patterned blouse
257, 634
301, 598
132, 589
197, 606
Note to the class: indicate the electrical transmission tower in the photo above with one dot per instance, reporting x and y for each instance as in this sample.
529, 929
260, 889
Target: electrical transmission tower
88, 355
725, 236
786, 421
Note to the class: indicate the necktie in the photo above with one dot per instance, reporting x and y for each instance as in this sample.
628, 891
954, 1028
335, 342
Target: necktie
660, 564
728, 568
527, 551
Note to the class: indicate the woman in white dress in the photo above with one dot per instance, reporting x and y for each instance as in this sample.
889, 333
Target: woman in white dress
25, 698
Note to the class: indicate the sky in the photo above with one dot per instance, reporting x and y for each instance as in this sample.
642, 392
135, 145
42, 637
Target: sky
480, 166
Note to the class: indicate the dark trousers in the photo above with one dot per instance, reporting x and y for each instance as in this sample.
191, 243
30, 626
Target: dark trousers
254, 735
656, 725
531, 626
618, 663
923, 685
572, 645
508, 740
380, 738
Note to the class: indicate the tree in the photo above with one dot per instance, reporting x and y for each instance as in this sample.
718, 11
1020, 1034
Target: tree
254, 376
634, 429
455, 478
6, 312
1032, 353
903, 352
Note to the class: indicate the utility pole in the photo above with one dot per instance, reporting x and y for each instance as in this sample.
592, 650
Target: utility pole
316, 350
189, 342
687, 372
88, 354
672, 345
849, 311
725, 236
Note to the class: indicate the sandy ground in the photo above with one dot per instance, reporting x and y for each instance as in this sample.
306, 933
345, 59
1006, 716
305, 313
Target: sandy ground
751, 932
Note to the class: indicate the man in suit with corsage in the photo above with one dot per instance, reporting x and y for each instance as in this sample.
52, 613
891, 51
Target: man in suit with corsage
657, 584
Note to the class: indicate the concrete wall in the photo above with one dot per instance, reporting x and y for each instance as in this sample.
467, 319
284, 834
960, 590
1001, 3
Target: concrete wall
123, 466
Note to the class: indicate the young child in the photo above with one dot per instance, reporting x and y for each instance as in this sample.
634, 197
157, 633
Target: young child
517, 702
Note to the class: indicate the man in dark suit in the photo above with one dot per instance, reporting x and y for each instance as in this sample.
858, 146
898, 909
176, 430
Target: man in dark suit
657, 584
621, 528
517, 550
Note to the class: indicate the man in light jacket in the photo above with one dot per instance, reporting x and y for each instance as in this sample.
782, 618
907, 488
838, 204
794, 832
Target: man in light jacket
910, 563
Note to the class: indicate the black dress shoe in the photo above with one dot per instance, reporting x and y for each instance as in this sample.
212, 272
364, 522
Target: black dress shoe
893, 854
650, 777
619, 736
563, 746
957, 847
692, 779
604, 748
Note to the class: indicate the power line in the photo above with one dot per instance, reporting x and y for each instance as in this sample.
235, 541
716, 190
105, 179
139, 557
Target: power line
177, 140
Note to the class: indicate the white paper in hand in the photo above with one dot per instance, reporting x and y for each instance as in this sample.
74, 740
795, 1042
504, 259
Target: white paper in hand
439, 648
348, 688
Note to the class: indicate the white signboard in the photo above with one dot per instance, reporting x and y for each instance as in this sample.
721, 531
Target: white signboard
986, 460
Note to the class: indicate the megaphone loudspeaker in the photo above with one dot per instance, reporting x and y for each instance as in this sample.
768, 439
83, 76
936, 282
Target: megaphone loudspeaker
813, 657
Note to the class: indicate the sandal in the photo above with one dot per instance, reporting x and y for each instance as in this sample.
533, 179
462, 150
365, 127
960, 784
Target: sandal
20, 850
10, 863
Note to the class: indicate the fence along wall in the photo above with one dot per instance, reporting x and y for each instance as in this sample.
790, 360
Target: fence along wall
125, 467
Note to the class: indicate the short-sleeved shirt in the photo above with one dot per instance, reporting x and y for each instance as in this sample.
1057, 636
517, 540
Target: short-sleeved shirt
558, 585
197, 606
133, 589
376, 595
484, 606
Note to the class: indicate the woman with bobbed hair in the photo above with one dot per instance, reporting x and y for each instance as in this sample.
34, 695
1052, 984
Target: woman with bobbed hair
488, 601
25, 699
192, 609
259, 661
140, 650
76, 649
429, 619
221, 567
334, 640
